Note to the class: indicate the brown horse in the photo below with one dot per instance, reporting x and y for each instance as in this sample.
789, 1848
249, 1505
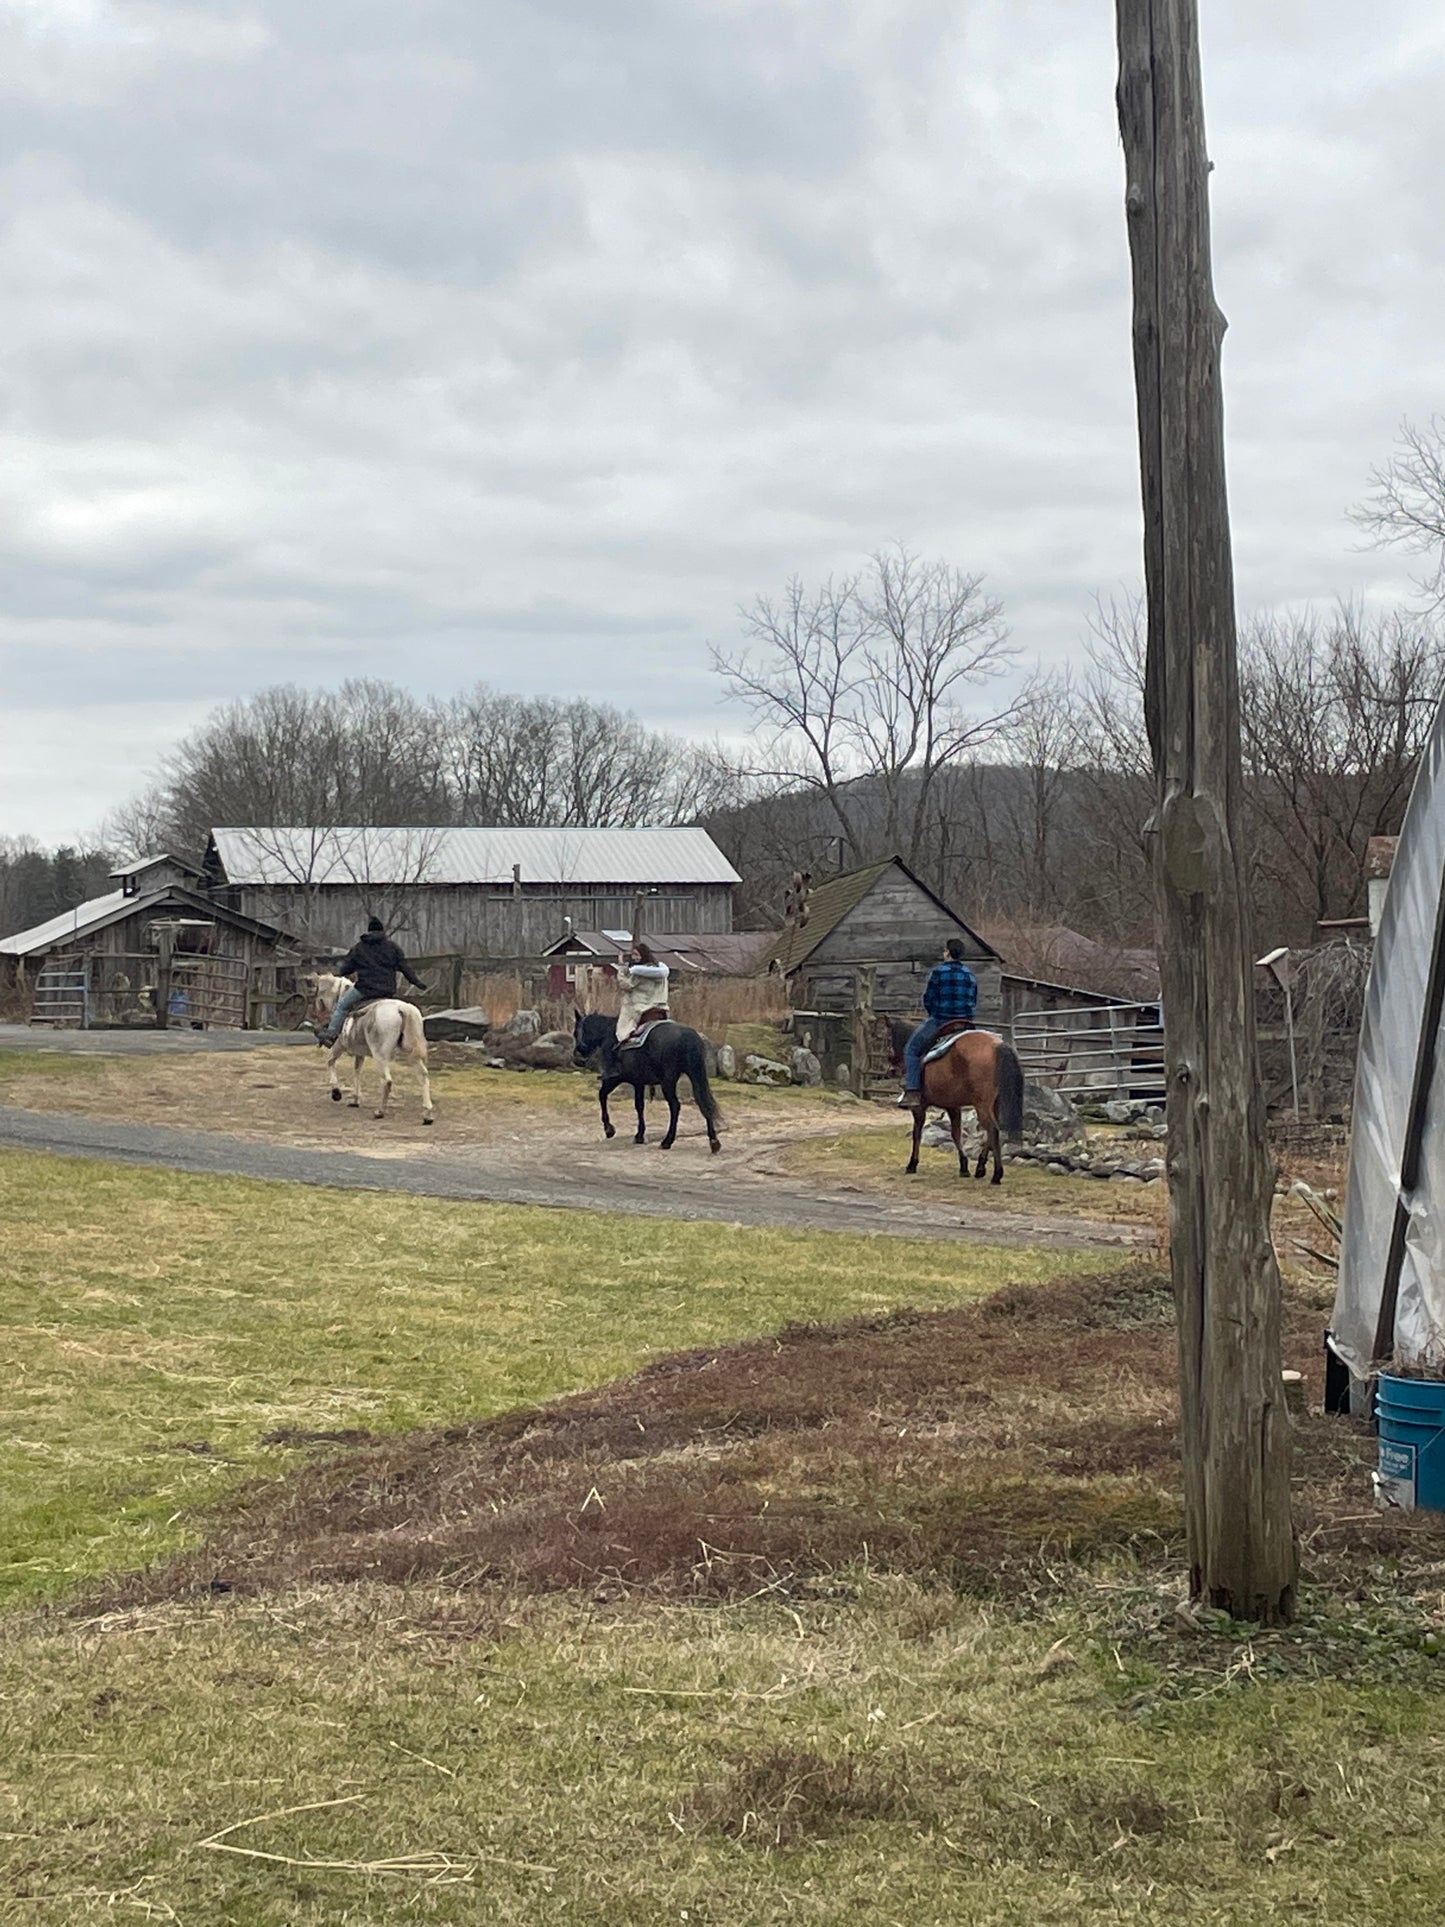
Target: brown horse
980, 1072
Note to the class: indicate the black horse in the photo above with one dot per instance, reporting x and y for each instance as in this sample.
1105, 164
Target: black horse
669, 1052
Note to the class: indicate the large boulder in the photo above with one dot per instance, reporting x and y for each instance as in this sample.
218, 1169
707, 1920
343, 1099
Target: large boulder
727, 1061
764, 1070
805, 1067
456, 1026
938, 1137
1050, 1118
524, 1023
550, 1052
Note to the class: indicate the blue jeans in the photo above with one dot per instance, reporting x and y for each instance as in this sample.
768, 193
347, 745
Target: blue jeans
926, 1033
348, 1000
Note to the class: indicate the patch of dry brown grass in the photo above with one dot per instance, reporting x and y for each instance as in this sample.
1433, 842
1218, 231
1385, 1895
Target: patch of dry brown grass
984, 1445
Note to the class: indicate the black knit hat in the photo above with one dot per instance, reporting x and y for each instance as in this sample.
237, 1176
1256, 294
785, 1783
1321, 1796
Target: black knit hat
375, 927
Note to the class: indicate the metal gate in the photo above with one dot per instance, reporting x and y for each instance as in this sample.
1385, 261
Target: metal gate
1110, 1051
127, 991
62, 994
208, 992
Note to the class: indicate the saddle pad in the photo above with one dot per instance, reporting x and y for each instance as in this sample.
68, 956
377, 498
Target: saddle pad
640, 1037
946, 1043
942, 1047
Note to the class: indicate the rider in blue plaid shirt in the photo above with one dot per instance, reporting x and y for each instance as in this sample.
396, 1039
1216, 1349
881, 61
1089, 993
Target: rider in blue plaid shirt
951, 996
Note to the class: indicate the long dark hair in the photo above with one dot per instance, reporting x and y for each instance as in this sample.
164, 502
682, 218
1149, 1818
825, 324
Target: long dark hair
644, 951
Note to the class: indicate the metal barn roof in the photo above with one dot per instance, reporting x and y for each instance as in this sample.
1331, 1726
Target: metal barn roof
86, 918
70, 923
413, 856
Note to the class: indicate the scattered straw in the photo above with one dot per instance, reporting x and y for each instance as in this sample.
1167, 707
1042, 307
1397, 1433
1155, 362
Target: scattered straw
436, 1869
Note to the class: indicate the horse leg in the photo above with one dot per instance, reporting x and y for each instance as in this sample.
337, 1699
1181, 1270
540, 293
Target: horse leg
354, 1101
955, 1125
428, 1114
988, 1124
639, 1094
920, 1112
604, 1091
331, 1064
674, 1112
383, 1064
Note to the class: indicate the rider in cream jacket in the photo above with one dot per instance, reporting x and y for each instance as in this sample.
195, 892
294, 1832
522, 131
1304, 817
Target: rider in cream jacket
643, 983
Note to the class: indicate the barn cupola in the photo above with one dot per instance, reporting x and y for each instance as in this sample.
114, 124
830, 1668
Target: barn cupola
150, 873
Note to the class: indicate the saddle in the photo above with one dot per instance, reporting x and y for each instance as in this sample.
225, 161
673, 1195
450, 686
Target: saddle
947, 1037
646, 1024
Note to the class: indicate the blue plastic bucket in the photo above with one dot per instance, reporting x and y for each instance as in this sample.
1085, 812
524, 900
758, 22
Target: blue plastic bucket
1411, 1413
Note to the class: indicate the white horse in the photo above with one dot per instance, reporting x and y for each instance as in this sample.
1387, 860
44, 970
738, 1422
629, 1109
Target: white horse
387, 1028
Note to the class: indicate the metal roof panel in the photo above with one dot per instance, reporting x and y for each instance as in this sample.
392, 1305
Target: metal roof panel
399, 856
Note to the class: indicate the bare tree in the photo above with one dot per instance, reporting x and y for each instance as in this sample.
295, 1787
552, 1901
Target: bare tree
868, 678
1335, 714
1406, 503
37, 884
1113, 889
525, 760
1044, 740
365, 754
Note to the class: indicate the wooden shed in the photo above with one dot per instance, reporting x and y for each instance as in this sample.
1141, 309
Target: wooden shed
155, 951
861, 954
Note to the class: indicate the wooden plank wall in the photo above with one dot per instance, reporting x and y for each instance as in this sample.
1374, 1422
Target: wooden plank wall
480, 921
895, 923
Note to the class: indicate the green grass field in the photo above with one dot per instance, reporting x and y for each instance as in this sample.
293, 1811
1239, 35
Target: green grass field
154, 1328
868, 1748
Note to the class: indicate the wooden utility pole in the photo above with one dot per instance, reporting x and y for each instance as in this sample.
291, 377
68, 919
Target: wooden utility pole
1235, 1432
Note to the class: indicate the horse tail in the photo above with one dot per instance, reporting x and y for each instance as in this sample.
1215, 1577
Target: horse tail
695, 1064
1009, 1075
413, 1036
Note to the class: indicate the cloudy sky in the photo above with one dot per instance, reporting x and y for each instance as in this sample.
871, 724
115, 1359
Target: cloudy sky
521, 340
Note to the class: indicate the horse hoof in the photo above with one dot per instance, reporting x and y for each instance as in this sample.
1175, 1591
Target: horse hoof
378, 1114
353, 1103
666, 1144
714, 1145
611, 1131
910, 1170
428, 1120
336, 1097
997, 1178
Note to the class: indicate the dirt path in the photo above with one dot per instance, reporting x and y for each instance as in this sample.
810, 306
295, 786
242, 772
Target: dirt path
500, 1137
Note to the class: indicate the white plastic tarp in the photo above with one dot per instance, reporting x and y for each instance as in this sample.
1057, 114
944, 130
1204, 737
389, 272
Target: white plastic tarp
1389, 1041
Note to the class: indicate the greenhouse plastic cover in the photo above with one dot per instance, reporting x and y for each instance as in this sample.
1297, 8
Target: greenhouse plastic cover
1389, 1040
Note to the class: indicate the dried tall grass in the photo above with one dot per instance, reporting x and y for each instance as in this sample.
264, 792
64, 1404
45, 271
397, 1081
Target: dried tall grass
709, 1004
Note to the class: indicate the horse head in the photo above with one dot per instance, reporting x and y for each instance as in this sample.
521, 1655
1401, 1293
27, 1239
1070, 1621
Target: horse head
322, 991
591, 1036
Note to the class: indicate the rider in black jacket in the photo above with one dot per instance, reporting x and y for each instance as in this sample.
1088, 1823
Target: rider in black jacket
372, 963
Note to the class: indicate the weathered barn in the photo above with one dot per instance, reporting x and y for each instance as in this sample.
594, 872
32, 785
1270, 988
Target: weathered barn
863, 955
471, 892
157, 949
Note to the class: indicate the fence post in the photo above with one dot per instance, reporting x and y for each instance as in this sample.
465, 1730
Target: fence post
163, 980
862, 1027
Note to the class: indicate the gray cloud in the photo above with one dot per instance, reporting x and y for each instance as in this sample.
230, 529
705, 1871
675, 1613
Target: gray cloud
523, 342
